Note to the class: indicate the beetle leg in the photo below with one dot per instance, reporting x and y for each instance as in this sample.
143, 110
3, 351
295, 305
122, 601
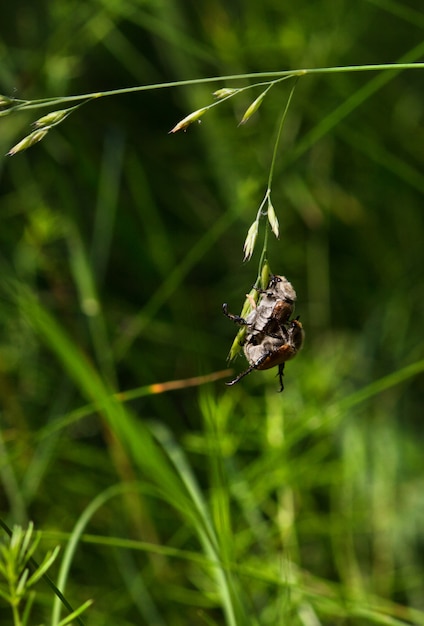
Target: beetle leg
280, 376
251, 368
235, 318
240, 376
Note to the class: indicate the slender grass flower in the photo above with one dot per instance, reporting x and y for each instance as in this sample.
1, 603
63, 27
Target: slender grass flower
249, 244
52, 118
185, 123
28, 141
272, 219
253, 107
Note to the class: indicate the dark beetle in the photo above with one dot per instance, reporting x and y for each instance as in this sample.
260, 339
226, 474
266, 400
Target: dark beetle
271, 337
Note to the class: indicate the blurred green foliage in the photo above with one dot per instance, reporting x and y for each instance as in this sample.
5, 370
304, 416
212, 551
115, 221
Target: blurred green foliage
131, 239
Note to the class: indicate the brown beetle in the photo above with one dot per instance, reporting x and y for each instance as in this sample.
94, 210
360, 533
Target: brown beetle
275, 306
271, 338
271, 351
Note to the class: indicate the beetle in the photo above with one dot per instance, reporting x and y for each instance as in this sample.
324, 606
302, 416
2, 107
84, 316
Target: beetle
274, 308
266, 351
276, 304
271, 337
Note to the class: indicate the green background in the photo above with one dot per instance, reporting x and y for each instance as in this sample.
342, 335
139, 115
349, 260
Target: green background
131, 238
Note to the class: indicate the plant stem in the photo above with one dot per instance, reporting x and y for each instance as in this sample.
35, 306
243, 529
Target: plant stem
263, 259
46, 102
277, 141
16, 617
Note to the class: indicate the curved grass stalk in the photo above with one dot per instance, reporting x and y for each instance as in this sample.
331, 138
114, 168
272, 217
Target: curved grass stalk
265, 76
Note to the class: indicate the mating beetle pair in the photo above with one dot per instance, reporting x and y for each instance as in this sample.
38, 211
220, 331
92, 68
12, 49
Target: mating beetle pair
271, 338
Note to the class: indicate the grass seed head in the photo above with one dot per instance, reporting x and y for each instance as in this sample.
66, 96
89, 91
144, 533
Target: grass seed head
185, 123
28, 141
224, 92
51, 118
5, 102
253, 108
272, 219
265, 274
249, 244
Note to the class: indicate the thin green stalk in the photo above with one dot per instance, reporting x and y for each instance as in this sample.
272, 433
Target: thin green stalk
46, 102
267, 198
277, 141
